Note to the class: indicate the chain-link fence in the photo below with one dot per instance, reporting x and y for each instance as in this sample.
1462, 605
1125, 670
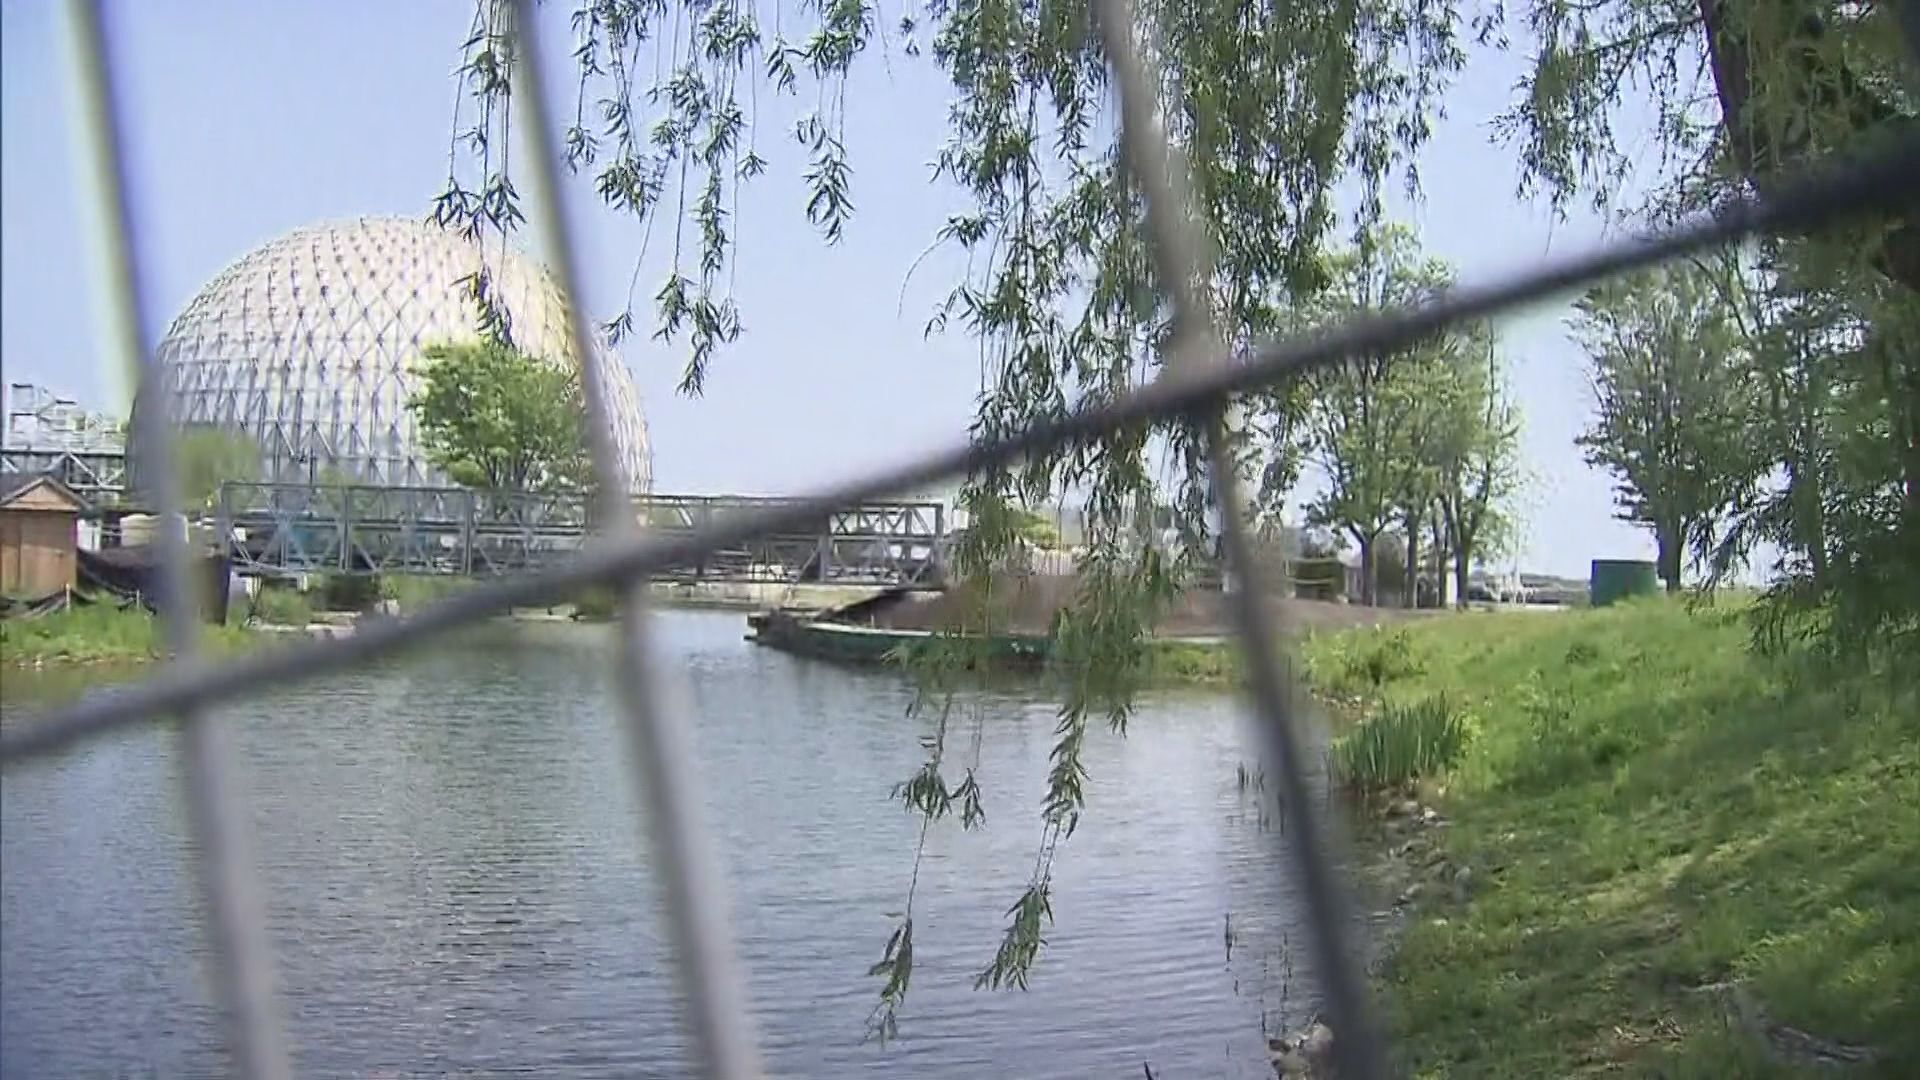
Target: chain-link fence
1198, 381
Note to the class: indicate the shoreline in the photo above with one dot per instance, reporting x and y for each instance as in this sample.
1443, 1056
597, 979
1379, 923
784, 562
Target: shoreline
1178, 662
87, 637
1655, 850
1658, 852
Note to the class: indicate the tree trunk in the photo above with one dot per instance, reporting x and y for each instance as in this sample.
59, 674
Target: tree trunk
1410, 585
1802, 70
1668, 538
1809, 527
1905, 374
1369, 583
1144, 533
1461, 566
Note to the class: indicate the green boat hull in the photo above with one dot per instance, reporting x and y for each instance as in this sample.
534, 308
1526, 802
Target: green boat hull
825, 639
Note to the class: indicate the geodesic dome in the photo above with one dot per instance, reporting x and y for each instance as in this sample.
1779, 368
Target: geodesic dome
309, 346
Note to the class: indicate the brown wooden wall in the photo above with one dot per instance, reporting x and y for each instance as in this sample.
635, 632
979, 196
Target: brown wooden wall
37, 551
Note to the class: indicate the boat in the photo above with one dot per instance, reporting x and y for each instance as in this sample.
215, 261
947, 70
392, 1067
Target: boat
828, 636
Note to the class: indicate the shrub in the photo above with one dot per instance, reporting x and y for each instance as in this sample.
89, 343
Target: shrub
281, 606
1401, 743
1581, 652
1376, 659
414, 592
350, 592
597, 604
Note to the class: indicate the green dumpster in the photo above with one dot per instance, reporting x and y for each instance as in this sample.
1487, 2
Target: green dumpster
1615, 579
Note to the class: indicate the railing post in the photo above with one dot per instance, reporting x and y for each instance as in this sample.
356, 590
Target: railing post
523, 522
706, 521
346, 530
466, 533
937, 547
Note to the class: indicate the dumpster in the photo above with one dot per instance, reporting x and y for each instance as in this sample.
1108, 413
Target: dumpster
1619, 579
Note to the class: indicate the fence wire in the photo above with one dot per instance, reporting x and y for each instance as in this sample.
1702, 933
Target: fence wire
717, 1013
1198, 381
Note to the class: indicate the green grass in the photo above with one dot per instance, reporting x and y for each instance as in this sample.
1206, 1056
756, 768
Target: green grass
96, 633
275, 606
1650, 809
1180, 663
412, 593
1361, 662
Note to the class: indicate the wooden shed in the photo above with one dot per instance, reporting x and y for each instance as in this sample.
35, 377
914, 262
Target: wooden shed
39, 534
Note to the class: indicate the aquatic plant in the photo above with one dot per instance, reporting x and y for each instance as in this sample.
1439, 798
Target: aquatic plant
1399, 743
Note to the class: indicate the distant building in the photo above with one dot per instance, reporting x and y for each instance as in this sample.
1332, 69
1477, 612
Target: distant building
39, 535
40, 419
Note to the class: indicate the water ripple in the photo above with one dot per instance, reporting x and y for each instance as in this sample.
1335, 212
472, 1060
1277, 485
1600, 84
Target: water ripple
458, 885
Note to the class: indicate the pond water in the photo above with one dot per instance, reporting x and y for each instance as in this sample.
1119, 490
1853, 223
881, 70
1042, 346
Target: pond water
458, 883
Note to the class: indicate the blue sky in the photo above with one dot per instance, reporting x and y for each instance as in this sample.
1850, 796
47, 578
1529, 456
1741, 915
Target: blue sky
250, 119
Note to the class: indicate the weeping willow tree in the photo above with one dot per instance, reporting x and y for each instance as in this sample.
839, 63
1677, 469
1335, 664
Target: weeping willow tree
1746, 91
1276, 105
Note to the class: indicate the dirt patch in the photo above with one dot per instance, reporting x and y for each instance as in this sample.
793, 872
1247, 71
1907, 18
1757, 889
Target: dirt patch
1027, 606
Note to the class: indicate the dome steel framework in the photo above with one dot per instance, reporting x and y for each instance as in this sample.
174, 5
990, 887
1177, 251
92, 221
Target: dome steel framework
310, 347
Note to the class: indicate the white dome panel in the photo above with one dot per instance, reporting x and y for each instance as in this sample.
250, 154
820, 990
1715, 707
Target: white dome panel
310, 346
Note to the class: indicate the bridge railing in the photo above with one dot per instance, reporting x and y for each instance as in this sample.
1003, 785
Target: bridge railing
296, 528
98, 476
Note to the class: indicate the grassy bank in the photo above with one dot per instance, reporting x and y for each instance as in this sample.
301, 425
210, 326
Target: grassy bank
1688, 860
105, 633
100, 633
1179, 663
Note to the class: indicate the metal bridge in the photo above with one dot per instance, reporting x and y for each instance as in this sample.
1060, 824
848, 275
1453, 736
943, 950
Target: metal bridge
98, 476
296, 528
283, 529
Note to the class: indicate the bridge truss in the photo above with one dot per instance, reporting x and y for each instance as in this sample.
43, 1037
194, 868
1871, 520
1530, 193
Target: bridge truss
98, 476
281, 529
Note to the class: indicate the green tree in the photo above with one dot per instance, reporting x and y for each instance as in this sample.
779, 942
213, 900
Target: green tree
492, 417
1836, 509
1059, 288
1792, 82
1475, 448
1796, 406
1673, 405
1367, 421
1038, 530
207, 457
